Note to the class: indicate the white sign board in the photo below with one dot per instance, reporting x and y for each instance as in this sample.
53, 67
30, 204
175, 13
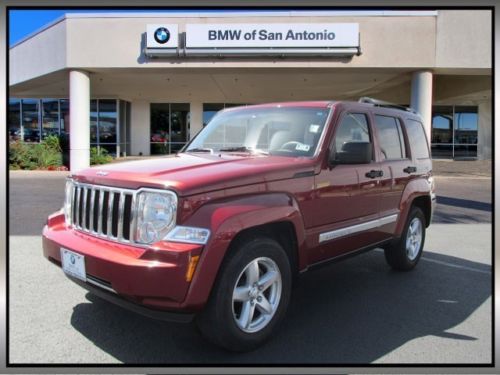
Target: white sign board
273, 35
162, 36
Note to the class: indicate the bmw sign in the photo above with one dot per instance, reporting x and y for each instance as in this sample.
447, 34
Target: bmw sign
162, 39
162, 35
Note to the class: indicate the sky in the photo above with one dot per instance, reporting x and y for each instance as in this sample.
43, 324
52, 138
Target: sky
24, 22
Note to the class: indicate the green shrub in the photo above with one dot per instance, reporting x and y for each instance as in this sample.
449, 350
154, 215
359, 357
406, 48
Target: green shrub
44, 155
99, 156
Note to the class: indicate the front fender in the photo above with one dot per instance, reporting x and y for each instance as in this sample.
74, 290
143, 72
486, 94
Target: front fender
226, 218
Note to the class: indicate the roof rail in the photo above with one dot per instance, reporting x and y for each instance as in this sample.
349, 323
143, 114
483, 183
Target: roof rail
382, 103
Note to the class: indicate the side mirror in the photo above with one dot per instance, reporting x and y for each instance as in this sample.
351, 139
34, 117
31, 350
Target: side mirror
353, 153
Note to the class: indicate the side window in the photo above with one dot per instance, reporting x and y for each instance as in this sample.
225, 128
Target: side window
418, 139
390, 136
353, 128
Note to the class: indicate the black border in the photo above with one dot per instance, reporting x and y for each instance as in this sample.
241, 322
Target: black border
262, 8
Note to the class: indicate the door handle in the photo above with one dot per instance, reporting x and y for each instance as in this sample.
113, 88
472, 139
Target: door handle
374, 174
410, 169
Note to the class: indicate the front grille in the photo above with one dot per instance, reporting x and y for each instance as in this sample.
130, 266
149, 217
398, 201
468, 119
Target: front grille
103, 211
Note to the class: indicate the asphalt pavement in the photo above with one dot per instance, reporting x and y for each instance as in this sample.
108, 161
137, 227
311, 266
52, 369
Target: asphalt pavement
352, 312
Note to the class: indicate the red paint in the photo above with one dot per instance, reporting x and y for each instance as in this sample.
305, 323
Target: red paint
229, 193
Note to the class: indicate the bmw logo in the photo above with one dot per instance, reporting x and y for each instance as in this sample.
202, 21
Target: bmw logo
162, 35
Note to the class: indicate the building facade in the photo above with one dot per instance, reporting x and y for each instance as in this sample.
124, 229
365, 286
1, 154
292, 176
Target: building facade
145, 83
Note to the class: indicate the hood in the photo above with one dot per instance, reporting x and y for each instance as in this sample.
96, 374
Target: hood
190, 174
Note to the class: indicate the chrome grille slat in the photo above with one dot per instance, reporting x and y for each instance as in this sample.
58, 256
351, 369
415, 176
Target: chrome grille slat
91, 211
109, 225
121, 206
77, 216
83, 224
133, 218
99, 215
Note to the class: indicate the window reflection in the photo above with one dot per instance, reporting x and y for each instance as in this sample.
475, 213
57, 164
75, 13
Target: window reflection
14, 119
454, 131
30, 120
50, 117
107, 121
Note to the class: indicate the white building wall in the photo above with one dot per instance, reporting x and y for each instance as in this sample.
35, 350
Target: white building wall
196, 113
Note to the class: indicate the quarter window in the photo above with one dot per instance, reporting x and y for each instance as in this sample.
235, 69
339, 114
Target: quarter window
419, 147
353, 128
390, 137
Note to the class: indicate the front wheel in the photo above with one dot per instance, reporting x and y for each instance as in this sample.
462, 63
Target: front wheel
404, 254
249, 298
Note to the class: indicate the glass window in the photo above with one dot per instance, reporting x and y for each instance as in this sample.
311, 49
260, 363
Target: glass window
107, 121
353, 128
14, 119
390, 137
93, 122
417, 139
179, 125
279, 131
64, 105
50, 117
466, 119
30, 120
160, 119
442, 131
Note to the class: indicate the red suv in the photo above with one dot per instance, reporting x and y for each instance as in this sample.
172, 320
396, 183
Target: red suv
219, 230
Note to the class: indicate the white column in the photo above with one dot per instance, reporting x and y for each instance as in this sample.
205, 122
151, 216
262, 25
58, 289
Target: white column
140, 128
484, 136
196, 113
79, 119
421, 97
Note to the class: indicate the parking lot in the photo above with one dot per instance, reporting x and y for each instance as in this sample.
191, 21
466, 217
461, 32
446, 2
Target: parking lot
352, 312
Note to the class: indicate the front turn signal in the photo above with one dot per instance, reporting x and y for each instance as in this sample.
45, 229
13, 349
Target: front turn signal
193, 261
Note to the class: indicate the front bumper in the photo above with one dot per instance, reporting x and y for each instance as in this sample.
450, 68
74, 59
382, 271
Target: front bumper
152, 278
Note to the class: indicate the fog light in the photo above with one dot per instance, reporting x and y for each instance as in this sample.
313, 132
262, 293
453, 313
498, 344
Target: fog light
189, 234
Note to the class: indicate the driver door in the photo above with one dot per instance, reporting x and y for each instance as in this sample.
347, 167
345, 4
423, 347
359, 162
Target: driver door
346, 194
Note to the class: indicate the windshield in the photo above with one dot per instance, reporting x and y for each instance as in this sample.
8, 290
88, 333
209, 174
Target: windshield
288, 131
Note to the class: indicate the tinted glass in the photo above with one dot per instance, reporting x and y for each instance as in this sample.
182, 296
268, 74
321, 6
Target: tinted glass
50, 117
30, 120
390, 137
417, 139
442, 131
93, 121
64, 103
353, 128
14, 119
466, 120
107, 121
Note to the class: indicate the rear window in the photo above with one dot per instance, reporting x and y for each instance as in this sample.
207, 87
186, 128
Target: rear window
390, 137
418, 139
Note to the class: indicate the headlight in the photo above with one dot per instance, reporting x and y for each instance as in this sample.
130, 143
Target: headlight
156, 213
67, 201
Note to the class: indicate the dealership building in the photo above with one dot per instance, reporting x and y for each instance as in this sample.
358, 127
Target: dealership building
145, 83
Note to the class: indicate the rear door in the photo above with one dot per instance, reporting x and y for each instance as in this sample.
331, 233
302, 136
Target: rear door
397, 169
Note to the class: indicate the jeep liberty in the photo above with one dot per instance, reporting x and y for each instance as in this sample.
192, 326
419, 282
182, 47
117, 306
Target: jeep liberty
217, 232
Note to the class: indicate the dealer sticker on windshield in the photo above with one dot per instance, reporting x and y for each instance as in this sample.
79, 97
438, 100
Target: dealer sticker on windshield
302, 147
73, 264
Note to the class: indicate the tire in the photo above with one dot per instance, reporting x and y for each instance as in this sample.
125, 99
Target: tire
227, 319
404, 253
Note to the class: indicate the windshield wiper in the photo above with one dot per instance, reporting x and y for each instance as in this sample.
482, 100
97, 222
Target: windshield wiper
200, 150
243, 149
